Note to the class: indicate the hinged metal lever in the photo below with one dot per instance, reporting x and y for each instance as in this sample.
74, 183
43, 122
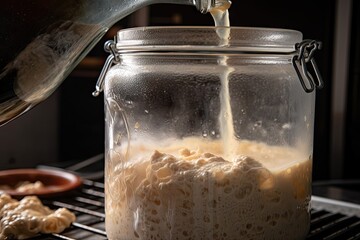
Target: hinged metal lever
113, 58
306, 50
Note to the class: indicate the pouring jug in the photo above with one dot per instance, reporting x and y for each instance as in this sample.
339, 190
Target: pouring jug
41, 42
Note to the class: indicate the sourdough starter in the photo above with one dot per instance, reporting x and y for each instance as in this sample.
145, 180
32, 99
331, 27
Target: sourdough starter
185, 189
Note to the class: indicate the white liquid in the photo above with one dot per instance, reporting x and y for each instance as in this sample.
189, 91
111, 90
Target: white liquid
221, 19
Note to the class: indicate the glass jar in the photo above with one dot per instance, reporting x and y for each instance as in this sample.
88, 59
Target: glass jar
206, 139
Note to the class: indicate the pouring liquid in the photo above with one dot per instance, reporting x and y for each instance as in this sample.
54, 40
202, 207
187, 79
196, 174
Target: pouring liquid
47, 39
227, 133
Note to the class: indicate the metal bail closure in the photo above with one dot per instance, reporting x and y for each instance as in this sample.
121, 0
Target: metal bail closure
305, 54
113, 58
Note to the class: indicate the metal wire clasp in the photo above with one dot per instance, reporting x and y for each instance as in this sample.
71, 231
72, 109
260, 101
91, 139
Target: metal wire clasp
113, 58
305, 54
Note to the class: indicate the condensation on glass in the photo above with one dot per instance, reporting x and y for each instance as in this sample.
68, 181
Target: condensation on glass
206, 140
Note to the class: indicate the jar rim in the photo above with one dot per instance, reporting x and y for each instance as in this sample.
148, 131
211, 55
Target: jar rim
206, 38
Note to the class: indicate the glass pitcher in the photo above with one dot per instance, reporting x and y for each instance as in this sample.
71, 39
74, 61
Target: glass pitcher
206, 141
41, 41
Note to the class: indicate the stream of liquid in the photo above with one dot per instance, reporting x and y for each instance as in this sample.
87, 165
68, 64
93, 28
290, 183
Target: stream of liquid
222, 20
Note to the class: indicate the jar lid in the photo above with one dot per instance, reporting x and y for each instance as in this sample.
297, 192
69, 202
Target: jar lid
198, 38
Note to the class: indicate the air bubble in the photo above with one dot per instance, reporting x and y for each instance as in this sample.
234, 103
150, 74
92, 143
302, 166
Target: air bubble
228, 190
286, 126
273, 223
258, 124
129, 103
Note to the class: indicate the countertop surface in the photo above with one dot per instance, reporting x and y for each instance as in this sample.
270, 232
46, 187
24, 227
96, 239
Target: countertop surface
342, 190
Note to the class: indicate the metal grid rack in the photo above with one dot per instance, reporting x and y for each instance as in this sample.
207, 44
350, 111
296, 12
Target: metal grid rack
88, 204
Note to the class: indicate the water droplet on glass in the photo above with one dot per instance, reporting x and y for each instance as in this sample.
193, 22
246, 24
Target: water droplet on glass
286, 126
204, 134
118, 138
257, 124
128, 103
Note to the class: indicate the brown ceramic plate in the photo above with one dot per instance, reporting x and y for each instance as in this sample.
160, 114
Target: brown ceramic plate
55, 182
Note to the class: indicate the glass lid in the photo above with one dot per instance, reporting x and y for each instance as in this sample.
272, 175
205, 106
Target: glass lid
200, 38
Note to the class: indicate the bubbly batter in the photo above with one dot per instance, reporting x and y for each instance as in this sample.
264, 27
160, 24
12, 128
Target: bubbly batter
25, 186
29, 217
187, 190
